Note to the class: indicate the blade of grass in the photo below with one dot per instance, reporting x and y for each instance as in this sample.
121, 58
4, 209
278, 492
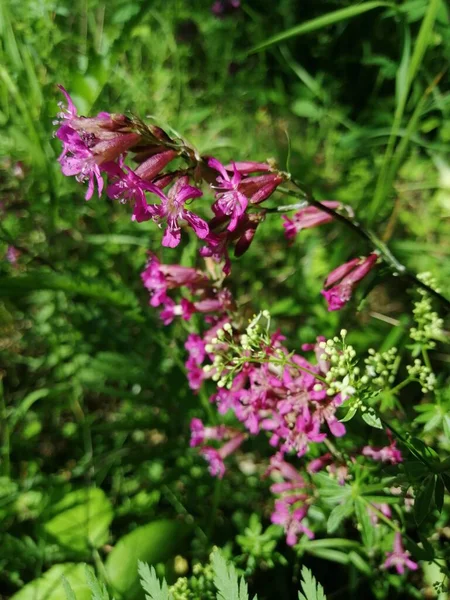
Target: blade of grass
320, 22
423, 39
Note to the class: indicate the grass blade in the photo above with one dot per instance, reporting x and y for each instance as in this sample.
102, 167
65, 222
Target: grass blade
320, 22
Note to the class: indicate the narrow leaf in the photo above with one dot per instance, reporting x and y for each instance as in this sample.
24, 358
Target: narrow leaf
423, 500
320, 22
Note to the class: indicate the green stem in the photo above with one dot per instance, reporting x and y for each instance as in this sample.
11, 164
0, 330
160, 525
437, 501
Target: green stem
400, 386
375, 243
214, 508
6, 439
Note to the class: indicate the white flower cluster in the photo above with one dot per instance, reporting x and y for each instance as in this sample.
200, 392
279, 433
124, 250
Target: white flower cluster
422, 374
429, 324
381, 367
343, 372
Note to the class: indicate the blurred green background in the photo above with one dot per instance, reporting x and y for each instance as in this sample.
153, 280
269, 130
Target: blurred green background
92, 386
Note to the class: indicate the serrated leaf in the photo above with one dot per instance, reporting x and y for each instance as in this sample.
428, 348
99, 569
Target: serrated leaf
226, 580
151, 584
98, 590
337, 515
423, 500
312, 590
371, 418
70, 595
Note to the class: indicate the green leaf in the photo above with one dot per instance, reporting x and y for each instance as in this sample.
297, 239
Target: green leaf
152, 543
320, 22
227, 581
55, 582
81, 521
439, 493
333, 543
330, 554
446, 481
418, 552
358, 561
150, 583
312, 590
364, 522
350, 413
423, 500
422, 451
371, 418
70, 595
98, 590
339, 513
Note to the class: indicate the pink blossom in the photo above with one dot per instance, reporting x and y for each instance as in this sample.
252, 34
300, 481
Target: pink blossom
307, 218
90, 145
389, 453
172, 208
128, 186
12, 255
158, 278
216, 457
151, 167
200, 433
399, 558
229, 200
292, 505
185, 310
343, 280
247, 167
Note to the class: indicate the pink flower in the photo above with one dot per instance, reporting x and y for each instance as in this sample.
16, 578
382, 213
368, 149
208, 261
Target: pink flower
151, 167
158, 278
399, 558
128, 186
216, 457
172, 209
247, 167
307, 218
317, 464
292, 505
343, 280
389, 453
83, 165
229, 200
90, 145
12, 255
185, 310
200, 433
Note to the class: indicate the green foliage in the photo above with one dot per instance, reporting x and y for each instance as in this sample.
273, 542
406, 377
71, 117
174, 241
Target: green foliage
312, 590
228, 585
152, 543
94, 407
151, 585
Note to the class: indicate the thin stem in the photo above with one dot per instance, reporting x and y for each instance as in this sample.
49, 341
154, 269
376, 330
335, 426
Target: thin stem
6, 440
371, 239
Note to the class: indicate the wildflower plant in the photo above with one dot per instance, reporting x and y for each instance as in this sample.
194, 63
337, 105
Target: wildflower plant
338, 451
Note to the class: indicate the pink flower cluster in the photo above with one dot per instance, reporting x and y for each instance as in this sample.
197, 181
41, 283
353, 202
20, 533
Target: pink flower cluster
293, 499
159, 279
94, 147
